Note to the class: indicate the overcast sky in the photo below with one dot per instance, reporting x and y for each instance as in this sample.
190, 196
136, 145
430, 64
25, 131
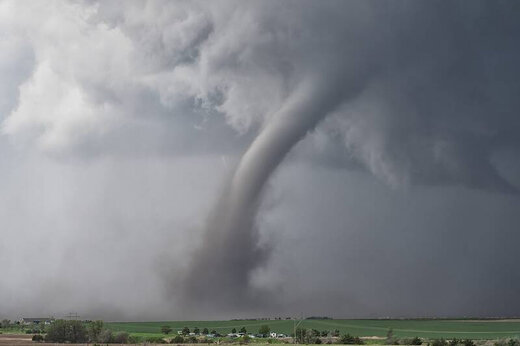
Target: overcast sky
199, 160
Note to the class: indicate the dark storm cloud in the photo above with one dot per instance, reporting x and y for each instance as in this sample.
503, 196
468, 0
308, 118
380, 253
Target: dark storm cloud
420, 112
375, 252
414, 92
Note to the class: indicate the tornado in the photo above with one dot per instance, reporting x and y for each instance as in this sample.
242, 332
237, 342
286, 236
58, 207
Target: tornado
220, 269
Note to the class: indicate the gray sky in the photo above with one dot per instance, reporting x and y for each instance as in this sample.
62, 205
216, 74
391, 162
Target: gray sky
177, 160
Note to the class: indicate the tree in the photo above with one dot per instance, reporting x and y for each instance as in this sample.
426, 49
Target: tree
264, 330
106, 336
155, 340
234, 330
243, 330
6, 323
121, 338
455, 342
185, 331
66, 331
177, 340
206, 332
94, 329
57, 332
416, 341
324, 333
77, 332
166, 329
196, 330
213, 331
348, 339
439, 342
390, 339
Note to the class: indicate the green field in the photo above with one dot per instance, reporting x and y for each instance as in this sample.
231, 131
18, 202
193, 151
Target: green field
470, 329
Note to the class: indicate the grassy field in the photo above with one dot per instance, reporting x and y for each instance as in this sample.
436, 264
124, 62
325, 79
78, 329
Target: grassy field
471, 329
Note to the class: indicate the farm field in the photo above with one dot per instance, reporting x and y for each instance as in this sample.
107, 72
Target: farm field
424, 328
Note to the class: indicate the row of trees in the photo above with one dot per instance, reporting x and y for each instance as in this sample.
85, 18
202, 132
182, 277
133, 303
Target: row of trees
314, 336
64, 331
510, 342
453, 342
67, 331
263, 330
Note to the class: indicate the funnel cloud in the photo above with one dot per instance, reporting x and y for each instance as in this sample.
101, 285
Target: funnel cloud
230, 250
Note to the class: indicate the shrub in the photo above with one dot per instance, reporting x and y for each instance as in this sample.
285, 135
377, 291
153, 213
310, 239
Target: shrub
501, 342
37, 338
106, 336
439, 342
66, 331
264, 330
455, 342
413, 341
348, 339
513, 342
156, 340
121, 338
318, 341
132, 339
166, 329
390, 338
177, 340
94, 329
468, 342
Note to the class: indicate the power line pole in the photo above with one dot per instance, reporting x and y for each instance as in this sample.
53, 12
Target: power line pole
73, 315
296, 325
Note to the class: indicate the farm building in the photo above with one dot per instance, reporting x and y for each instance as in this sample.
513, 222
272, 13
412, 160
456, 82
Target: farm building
29, 321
